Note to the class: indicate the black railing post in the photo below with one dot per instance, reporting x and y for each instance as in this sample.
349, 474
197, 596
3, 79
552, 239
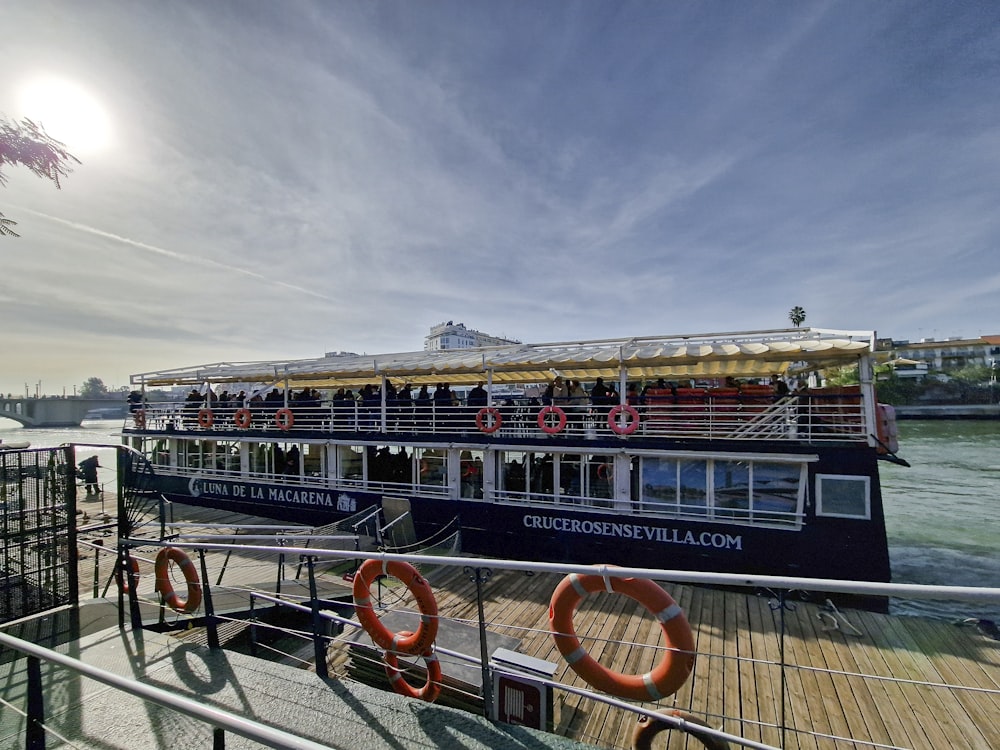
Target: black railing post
481, 576
34, 736
211, 623
253, 625
319, 637
125, 571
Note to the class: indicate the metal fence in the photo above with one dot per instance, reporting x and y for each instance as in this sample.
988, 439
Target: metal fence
37, 531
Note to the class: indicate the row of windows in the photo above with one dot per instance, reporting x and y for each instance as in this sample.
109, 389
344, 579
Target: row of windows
715, 488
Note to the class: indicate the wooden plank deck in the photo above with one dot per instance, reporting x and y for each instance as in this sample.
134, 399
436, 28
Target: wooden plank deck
829, 699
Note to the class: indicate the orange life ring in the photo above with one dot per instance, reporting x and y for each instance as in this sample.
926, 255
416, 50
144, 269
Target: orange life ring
543, 423
205, 418
126, 584
606, 471
166, 556
666, 678
431, 689
284, 419
242, 418
630, 425
139, 417
404, 642
646, 728
494, 413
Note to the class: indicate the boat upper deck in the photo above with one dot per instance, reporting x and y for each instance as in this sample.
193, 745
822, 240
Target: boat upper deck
714, 386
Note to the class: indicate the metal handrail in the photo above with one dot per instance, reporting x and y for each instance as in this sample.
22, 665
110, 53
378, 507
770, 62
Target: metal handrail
253, 730
741, 580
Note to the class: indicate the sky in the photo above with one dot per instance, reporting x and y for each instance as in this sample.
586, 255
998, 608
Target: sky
274, 180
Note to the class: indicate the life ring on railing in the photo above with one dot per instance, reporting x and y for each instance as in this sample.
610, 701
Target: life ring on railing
432, 687
166, 556
666, 678
543, 422
205, 418
284, 419
630, 425
139, 417
404, 642
126, 583
242, 418
646, 728
494, 413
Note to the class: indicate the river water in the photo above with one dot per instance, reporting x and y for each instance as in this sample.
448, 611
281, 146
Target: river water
942, 513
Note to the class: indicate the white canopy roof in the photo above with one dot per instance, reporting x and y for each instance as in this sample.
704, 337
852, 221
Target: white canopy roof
755, 354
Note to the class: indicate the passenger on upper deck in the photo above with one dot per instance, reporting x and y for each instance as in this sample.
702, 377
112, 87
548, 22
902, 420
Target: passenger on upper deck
422, 406
477, 395
577, 403
599, 393
135, 400
779, 385
560, 392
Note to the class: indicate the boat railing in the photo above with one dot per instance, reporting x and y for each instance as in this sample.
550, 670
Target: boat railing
786, 648
817, 415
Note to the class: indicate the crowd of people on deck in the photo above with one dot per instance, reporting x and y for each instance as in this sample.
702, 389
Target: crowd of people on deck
442, 406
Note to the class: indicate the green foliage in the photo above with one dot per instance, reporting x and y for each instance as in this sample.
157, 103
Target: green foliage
93, 388
842, 376
971, 374
797, 315
26, 143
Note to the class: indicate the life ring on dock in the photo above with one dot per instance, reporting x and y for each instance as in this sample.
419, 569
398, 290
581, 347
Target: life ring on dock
431, 689
631, 424
543, 421
242, 418
404, 642
646, 728
166, 556
205, 418
139, 417
666, 678
494, 414
284, 419
126, 583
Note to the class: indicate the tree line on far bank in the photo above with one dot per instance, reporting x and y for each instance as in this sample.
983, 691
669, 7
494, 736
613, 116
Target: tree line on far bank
973, 384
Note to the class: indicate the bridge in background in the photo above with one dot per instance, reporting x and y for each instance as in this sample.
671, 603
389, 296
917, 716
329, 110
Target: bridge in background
57, 412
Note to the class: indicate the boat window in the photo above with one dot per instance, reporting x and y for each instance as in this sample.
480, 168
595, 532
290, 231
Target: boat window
472, 473
777, 490
209, 455
514, 472
312, 460
732, 488
159, 453
843, 496
433, 466
600, 477
274, 458
389, 465
350, 462
674, 485
722, 488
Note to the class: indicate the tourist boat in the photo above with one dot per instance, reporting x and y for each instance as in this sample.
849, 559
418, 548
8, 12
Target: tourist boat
694, 462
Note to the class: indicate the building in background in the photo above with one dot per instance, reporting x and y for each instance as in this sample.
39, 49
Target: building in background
916, 359
453, 335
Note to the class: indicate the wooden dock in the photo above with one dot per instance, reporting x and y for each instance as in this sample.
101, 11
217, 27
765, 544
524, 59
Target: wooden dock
790, 677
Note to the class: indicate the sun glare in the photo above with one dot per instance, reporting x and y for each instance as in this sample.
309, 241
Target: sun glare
67, 112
